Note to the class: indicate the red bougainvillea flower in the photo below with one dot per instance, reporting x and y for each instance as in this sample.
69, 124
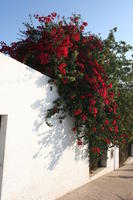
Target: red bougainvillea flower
77, 112
116, 129
82, 28
66, 41
123, 135
54, 14
44, 58
47, 20
85, 24
76, 37
106, 101
72, 97
111, 94
94, 129
79, 142
110, 109
110, 85
102, 128
62, 52
95, 111
114, 122
103, 93
96, 150
106, 121
123, 141
74, 129
81, 65
82, 97
110, 128
114, 109
107, 141
84, 117
92, 102
62, 68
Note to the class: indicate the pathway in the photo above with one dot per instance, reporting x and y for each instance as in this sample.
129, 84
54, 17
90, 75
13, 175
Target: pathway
117, 185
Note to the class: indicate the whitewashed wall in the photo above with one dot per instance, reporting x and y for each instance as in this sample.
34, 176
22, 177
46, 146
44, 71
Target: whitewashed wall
40, 162
111, 164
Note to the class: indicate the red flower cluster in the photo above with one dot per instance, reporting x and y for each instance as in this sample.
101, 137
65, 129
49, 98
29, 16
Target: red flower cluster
77, 112
79, 142
74, 59
62, 52
96, 150
62, 68
74, 129
84, 117
44, 58
94, 129
107, 141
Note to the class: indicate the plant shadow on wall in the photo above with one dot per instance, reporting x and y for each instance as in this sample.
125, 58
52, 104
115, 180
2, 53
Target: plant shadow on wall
53, 141
94, 78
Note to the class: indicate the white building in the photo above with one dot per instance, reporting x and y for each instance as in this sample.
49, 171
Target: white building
37, 162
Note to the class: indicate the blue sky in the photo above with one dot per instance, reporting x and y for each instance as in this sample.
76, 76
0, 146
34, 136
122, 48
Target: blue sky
101, 15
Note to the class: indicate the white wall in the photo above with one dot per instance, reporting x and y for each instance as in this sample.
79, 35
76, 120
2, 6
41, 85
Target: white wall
40, 162
111, 164
113, 158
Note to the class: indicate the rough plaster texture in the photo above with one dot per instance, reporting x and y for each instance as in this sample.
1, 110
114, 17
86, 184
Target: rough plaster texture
40, 162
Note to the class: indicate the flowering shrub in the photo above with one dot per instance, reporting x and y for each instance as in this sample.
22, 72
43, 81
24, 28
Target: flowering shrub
76, 62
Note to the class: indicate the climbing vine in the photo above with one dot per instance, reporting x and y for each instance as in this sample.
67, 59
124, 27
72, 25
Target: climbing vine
79, 64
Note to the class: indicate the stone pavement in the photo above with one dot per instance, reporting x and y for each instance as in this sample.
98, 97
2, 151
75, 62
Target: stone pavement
117, 185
